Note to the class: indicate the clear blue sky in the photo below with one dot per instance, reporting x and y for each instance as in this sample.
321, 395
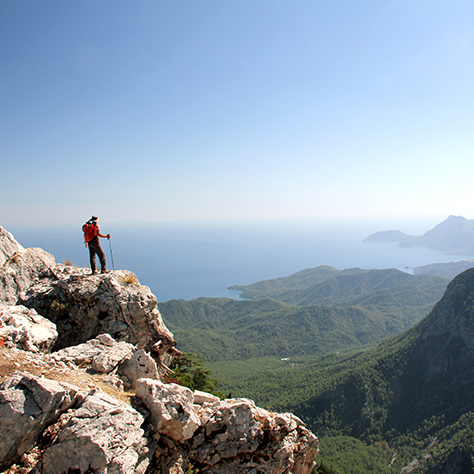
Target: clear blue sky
183, 111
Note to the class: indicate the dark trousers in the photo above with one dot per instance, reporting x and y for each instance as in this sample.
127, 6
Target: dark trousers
96, 249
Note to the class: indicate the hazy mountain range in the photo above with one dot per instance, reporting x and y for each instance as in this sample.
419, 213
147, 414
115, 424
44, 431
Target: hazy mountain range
454, 236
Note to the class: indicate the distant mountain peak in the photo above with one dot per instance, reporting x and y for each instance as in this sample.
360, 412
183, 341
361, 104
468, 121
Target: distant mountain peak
455, 235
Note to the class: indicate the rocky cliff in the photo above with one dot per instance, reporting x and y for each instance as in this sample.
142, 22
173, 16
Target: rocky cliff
82, 360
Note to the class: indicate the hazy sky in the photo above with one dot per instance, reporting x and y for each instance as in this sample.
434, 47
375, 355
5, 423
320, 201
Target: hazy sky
170, 110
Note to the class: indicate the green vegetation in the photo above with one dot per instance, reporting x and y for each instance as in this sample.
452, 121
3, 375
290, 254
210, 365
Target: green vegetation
328, 286
299, 280
346, 455
191, 371
60, 310
226, 329
356, 308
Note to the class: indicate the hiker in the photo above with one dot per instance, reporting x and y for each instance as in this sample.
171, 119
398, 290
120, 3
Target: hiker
91, 236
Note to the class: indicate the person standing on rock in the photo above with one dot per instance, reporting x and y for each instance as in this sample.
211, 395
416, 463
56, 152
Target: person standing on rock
92, 233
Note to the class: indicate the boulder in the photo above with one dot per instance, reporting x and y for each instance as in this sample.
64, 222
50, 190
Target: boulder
27, 405
22, 270
103, 354
83, 305
171, 408
200, 398
102, 435
236, 436
139, 365
25, 329
8, 245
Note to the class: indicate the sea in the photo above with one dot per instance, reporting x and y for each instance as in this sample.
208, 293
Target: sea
189, 261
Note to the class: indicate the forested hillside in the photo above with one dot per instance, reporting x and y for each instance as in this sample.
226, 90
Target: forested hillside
354, 309
413, 392
224, 329
328, 286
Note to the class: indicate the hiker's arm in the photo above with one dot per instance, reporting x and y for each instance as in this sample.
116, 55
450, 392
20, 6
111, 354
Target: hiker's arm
104, 236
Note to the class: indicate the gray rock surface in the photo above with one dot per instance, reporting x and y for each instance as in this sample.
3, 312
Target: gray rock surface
84, 306
8, 245
103, 354
22, 270
102, 435
171, 408
139, 365
27, 406
200, 398
26, 329
227, 436
236, 436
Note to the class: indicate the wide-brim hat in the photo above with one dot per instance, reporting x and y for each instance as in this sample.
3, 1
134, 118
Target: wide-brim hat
95, 218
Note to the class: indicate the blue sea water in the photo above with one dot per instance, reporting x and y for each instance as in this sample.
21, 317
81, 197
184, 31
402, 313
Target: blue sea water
186, 262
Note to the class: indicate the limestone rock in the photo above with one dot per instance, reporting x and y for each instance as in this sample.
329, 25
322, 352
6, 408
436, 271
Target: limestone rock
103, 353
171, 408
84, 306
109, 359
27, 405
8, 245
26, 329
102, 435
236, 436
139, 365
200, 398
22, 270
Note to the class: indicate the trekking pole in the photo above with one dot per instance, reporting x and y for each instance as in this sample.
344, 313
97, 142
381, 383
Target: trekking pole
111, 255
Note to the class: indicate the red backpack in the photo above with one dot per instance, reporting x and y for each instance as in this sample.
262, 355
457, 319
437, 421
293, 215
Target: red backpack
89, 232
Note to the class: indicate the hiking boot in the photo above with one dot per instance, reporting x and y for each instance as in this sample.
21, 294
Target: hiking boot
105, 271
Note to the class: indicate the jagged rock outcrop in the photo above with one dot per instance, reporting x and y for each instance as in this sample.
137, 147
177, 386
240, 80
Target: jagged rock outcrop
91, 432
236, 436
139, 365
102, 435
108, 326
23, 269
84, 305
26, 329
103, 353
224, 436
171, 408
27, 406
9, 246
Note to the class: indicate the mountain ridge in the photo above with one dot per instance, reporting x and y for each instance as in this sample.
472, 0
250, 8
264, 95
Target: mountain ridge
382, 304
425, 372
455, 235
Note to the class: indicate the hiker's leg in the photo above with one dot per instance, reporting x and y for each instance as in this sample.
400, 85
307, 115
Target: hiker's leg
101, 255
92, 252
